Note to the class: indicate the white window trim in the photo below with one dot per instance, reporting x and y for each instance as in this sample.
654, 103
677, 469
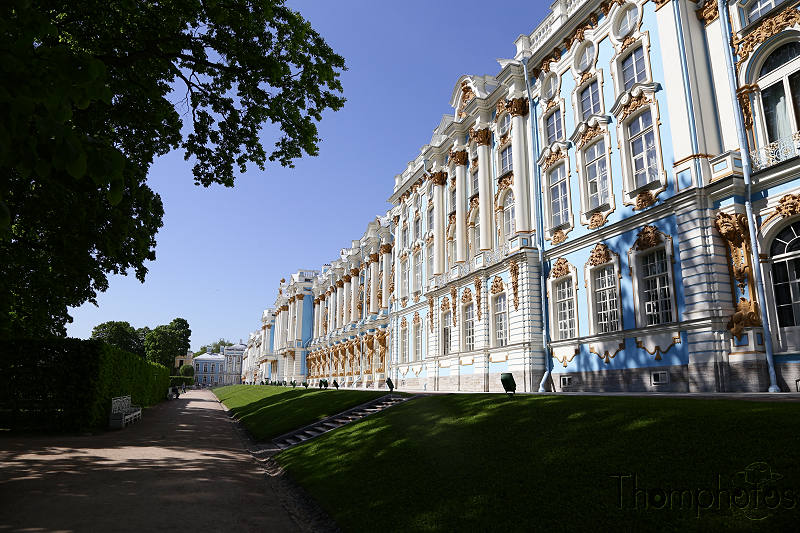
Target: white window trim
559, 107
502, 211
551, 291
634, 257
759, 122
577, 52
583, 179
492, 325
590, 293
639, 39
500, 149
463, 343
547, 208
442, 344
577, 105
629, 188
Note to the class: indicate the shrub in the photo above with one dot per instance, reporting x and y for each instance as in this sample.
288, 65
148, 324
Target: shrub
69, 383
186, 370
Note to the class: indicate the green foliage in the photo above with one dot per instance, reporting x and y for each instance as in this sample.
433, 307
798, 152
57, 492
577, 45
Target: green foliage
214, 347
91, 92
68, 383
121, 335
180, 380
187, 371
268, 411
166, 342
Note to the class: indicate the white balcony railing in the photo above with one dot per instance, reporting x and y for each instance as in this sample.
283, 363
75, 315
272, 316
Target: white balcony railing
484, 260
776, 152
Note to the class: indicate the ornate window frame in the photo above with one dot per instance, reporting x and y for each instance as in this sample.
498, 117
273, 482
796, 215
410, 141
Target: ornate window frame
556, 105
628, 107
590, 77
465, 347
497, 291
625, 49
549, 162
562, 270
649, 240
446, 348
601, 257
586, 135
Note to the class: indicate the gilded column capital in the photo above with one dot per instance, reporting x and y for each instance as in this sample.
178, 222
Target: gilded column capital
299, 297
518, 107
439, 178
459, 157
291, 299
386, 248
284, 308
373, 258
354, 272
339, 284
346, 278
483, 137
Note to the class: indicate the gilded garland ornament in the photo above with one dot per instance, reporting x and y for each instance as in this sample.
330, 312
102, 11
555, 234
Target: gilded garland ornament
708, 12
747, 315
644, 200
734, 229
466, 296
454, 298
560, 268
743, 94
633, 104
788, 205
497, 285
467, 94
430, 313
766, 28
590, 134
559, 236
648, 237
553, 158
600, 255
478, 284
596, 220
445, 304
514, 269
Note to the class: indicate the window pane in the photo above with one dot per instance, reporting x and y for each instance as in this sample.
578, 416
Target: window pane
775, 112
565, 309
633, 68
656, 288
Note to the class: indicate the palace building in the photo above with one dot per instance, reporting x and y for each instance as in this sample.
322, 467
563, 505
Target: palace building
616, 209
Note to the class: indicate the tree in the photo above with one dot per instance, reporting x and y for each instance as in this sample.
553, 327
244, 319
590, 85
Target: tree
180, 328
92, 91
164, 343
214, 347
186, 371
161, 346
141, 333
119, 334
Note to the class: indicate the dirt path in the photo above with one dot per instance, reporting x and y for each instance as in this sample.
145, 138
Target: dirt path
184, 467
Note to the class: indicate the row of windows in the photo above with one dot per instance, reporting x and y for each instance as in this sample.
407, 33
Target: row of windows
654, 282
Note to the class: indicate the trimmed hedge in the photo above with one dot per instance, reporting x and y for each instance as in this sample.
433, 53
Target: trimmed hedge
181, 380
68, 383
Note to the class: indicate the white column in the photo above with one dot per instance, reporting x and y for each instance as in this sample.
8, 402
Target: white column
373, 285
298, 318
339, 303
483, 138
291, 322
332, 310
459, 158
386, 251
346, 299
398, 276
519, 108
315, 333
354, 283
439, 181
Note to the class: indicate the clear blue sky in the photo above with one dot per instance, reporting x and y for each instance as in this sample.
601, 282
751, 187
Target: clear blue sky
222, 250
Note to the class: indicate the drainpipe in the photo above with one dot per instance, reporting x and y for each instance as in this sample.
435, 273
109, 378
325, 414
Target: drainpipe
725, 27
532, 147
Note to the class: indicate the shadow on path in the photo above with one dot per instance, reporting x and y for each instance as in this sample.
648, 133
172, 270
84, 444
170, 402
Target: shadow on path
183, 467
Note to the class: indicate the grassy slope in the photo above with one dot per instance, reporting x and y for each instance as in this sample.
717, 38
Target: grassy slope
480, 462
272, 411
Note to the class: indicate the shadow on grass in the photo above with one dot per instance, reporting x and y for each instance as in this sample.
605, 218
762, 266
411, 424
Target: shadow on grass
480, 462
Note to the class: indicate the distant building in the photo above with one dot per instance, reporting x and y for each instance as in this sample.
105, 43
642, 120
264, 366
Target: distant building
181, 360
219, 368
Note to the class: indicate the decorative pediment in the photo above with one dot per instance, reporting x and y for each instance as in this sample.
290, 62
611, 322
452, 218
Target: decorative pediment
552, 155
560, 269
587, 131
648, 237
768, 27
600, 255
497, 285
640, 95
466, 296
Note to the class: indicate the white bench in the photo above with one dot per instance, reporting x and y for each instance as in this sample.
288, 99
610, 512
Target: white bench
123, 413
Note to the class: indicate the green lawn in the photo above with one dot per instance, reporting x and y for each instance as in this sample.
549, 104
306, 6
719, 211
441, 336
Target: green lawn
487, 463
268, 412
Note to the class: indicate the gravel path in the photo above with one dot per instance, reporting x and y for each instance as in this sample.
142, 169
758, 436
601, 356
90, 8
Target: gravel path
185, 466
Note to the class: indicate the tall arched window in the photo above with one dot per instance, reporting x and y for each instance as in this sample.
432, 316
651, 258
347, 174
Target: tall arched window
785, 255
779, 81
508, 216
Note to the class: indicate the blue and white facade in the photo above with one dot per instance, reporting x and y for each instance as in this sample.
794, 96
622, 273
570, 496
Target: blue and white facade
580, 219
